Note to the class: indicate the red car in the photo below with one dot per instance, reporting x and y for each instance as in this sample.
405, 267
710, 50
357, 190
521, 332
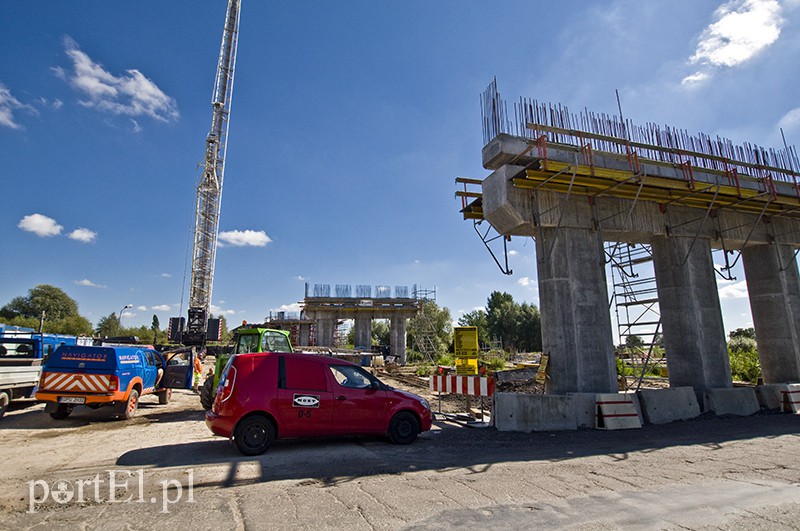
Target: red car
268, 395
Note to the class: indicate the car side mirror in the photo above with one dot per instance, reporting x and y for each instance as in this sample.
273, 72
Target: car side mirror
374, 385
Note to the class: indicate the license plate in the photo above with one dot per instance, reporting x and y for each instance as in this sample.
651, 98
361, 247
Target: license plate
71, 400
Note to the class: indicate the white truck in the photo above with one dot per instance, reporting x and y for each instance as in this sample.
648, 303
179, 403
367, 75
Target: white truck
22, 353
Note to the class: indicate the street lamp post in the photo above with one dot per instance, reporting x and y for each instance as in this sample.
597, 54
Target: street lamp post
120, 313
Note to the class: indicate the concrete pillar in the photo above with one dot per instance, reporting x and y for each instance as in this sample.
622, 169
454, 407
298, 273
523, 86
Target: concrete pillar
773, 283
397, 337
305, 334
326, 324
691, 319
363, 326
576, 323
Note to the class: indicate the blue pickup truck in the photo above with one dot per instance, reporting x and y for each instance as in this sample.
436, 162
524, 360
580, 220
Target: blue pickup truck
111, 376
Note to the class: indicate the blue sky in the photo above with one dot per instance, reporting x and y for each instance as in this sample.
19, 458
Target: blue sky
350, 121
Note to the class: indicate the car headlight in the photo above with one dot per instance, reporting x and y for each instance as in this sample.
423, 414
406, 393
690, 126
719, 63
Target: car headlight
425, 403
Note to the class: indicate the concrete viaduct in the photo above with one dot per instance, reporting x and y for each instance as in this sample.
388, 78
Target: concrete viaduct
325, 311
571, 200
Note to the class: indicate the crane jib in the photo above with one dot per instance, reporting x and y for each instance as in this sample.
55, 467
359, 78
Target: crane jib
209, 190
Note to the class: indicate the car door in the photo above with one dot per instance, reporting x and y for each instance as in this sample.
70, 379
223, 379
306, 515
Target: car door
361, 403
149, 370
304, 401
178, 369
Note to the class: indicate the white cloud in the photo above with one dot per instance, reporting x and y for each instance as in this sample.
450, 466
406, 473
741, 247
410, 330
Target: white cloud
9, 104
88, 283
790, 120
245, 238
301, 278
734, 290
742, 29
216, 310
40, 225
131, 94
166, 275
288, 308
161, 308
696, 78
142, 308
82, 235
526, 282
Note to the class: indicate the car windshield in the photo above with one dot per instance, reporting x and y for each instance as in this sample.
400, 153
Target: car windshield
247, 343
275, 342
352, 377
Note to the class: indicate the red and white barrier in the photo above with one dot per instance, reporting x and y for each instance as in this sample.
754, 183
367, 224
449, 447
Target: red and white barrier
463, 385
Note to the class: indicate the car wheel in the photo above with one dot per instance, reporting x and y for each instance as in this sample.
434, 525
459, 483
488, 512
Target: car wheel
404, 428
253, 435
5, 398
131, 405
61, 412
164, 396
207, 393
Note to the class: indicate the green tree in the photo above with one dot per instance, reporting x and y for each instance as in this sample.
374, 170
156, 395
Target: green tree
743, 332
108, 326
477, 318
503, 316
155, 327
60, 312
529, 328
434, 319
380, 332
43, 298
634, 341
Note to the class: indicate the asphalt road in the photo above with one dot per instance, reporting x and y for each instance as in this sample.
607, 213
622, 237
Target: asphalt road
717, 473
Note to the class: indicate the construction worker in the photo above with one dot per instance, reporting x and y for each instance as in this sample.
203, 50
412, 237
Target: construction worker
198, 373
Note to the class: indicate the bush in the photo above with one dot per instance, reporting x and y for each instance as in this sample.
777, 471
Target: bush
424, 370
446, 359
494, 364
745, 365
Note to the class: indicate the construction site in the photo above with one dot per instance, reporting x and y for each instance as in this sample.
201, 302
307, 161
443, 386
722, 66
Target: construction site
593, 190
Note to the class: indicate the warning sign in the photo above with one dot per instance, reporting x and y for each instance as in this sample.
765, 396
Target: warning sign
465, 343
541, 374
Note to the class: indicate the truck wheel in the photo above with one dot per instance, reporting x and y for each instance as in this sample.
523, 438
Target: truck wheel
207, 393
5, 398
131, 405
164, 396
62, 411
404, 428
253, 435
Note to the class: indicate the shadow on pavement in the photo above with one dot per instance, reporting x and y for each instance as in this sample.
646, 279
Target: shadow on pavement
334, 461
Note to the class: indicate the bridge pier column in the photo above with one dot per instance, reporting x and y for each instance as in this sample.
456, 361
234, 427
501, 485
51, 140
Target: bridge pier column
305, 334
576, 323
397, 337
363, 327
773, 283
326, 323
691, 318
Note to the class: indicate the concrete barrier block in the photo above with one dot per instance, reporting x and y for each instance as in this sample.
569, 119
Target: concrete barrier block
661, 406
527, 413
770, 396
585, 409
740, 401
